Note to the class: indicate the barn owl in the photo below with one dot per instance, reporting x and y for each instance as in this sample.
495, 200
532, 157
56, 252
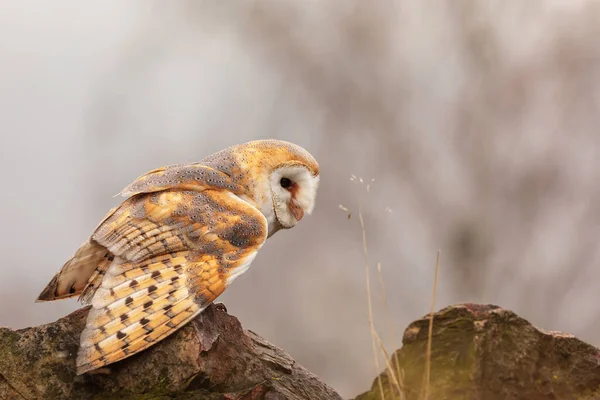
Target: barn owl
182, 236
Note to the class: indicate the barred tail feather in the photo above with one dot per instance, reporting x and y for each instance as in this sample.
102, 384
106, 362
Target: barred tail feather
75, 274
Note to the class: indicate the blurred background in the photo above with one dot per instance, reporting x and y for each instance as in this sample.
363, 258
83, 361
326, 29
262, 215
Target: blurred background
479, 122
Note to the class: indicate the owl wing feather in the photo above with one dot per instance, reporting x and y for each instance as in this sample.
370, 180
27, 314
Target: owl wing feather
174, 253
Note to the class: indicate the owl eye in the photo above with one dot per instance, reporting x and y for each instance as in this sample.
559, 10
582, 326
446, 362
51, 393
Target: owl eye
285, 183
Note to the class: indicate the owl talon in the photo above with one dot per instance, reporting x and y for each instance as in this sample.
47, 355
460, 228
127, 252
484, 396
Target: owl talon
221, 307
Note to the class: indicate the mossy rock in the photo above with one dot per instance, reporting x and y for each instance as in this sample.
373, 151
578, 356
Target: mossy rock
489, 353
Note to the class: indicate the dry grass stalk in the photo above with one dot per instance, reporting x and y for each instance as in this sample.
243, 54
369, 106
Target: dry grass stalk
430, 334
369, 302
397, 379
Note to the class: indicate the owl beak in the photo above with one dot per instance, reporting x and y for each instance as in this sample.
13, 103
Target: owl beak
296, 210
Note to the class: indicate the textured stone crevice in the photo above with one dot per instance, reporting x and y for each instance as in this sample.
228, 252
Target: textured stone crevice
8, 390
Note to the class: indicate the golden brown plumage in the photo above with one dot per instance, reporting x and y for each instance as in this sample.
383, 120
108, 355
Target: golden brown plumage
183, 234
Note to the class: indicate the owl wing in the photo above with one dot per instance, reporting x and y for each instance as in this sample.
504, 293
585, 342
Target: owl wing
175, 252
82, 273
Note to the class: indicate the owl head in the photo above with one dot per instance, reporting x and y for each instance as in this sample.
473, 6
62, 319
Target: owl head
293, 187
280, 178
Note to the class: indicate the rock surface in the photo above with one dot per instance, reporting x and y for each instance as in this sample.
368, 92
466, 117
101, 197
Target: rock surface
485, 352
212, 357
478, 352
